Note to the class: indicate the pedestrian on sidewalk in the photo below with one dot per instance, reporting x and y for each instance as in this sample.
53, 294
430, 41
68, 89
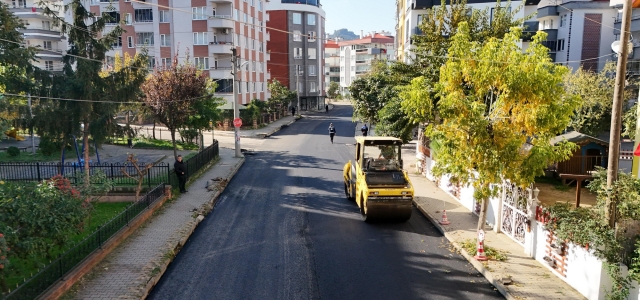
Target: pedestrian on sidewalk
332, 132
364, 129
293, 110
326, 108
181, 171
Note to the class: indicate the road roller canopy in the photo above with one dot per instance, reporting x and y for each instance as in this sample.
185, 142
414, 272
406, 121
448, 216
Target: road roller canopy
378, 140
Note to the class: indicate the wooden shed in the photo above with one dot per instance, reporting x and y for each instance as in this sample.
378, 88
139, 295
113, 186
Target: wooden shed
592, 152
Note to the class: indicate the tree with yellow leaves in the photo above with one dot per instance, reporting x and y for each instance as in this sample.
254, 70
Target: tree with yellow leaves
498, 109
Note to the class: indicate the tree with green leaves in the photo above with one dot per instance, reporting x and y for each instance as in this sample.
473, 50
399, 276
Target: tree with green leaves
281, 96
596, 91
181, 97
334, 90
431, 47
499, 108
101, 95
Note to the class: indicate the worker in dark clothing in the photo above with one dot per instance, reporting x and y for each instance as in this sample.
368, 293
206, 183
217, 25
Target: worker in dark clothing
332, 132
326, 108
181, 171
365, 130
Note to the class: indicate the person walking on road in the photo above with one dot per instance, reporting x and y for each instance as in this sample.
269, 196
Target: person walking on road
326, 108
181, 171
364, 129
332, 132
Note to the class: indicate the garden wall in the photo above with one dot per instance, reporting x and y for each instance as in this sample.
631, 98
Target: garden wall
576, 265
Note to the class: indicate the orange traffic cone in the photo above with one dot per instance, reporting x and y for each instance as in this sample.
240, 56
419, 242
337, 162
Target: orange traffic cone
444, 221
480, 255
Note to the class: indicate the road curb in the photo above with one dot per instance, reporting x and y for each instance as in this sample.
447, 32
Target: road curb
476, 264
279, 128
191, 227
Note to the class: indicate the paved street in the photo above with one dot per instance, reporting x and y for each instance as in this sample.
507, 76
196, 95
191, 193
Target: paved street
284, 230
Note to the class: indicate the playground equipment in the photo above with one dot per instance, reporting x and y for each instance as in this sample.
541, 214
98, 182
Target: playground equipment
80, 162
14, 134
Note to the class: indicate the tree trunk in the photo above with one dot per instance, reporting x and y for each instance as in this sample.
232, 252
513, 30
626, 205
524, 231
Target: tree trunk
140, 180
483, 214
85, 141
173, 141
154, 129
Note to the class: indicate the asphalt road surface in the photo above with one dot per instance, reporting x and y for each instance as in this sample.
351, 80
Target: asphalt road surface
283, 229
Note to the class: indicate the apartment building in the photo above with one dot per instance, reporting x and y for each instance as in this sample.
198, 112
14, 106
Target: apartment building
357, 56
206, 30
633, 64
331, 63
411, 12
40, 32
296, 48
579, 33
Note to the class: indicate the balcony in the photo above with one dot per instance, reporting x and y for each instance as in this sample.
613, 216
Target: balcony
220, 47
552, 34
547, 11
307, 2
582, 165
221, 21
220, 72
44, 36
221, 1
42, 52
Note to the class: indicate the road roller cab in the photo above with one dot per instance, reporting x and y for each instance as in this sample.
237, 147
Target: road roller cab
376, 181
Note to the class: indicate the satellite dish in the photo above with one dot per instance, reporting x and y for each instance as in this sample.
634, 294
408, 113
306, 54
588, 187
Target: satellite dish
617, 47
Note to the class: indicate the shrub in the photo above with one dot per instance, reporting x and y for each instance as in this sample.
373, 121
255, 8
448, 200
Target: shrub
13, 151
47, 147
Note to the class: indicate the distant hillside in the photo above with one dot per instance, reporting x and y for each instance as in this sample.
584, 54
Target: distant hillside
344, 34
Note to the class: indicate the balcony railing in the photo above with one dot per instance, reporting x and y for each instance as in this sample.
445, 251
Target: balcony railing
220, 17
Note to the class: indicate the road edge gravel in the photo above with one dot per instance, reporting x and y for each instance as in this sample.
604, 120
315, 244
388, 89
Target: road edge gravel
202, 212
476, 264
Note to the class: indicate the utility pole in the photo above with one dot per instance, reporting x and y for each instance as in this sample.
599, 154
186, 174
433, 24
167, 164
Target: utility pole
33, 142
616, 114
236, 109
298, 86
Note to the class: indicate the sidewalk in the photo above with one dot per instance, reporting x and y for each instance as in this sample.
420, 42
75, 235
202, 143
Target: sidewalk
519, 277
132, 269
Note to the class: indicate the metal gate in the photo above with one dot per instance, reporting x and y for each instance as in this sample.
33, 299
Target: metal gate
515, 204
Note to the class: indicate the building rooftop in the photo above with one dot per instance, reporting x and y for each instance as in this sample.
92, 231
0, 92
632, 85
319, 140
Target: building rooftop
375, 38
331, 44
578, 138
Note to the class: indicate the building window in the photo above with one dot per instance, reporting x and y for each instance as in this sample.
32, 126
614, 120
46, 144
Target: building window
312, 53
48, 65
202, 63
165, 40
312, 36
300, 87
312, 70
297, 53
166, 62
199, 13
130, 41
297, 36
260, 5
244, 17
144, 39
311, 19
46, 45
313, 87
560, 45
143, 15
297, 18
247, 87
164, 16
200, 38
563, 20
111, 18
118, 43
152, 62
235, 15
128, 18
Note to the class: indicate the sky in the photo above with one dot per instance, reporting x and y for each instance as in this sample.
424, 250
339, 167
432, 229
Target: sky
356, 15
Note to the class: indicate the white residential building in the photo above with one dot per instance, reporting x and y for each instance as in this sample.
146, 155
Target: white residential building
633, 64
40, 32
356, 56
331, 63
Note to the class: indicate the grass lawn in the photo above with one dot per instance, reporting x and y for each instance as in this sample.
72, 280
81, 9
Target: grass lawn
155, 144
21, 269
28, 157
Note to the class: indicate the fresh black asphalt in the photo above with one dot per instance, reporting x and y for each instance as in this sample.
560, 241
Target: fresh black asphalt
283, 229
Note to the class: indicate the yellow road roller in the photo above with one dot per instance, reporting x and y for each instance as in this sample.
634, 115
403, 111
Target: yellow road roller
376, 181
